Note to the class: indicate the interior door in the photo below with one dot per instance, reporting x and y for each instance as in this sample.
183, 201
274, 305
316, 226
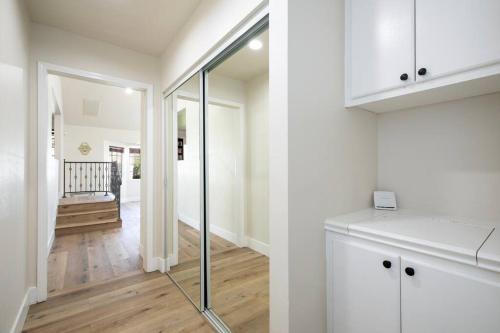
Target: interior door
366, 288
381, 45
436, 299
455, 35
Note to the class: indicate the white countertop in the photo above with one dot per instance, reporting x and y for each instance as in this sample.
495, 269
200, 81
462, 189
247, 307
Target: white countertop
451, 238
489, 255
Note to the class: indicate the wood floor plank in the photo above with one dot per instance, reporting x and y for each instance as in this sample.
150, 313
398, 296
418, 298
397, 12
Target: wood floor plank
97, 285
239, 280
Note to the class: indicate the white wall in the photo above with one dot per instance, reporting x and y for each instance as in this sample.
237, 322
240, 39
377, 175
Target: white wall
99, 140
67, 49
14, 38
332, 152
225, 159
257, 113
443, 158
225, 155
188, 170
96, 138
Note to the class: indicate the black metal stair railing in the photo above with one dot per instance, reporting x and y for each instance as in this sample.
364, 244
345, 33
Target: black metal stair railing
116, 182
92, 177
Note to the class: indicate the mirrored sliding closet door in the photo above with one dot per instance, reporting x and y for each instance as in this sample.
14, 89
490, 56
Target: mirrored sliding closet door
183, 224
217, 156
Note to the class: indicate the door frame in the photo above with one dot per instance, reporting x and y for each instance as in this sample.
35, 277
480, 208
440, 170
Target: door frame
147, 127
241, 239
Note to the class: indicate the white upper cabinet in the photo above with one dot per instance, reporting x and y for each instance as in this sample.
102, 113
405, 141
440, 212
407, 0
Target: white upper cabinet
456, 35
449, 49
381, 46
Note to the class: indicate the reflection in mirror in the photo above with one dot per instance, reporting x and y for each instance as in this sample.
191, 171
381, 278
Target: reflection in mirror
183, 230
237, 161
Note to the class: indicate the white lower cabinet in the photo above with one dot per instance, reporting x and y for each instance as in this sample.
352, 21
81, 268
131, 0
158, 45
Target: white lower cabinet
366, 292
443, 298
400, 273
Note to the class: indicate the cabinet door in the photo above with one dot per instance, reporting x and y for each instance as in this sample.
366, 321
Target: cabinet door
381, 45
365, 294
438, 299
456, 35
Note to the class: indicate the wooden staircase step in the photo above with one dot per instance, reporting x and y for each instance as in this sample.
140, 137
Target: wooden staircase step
83, 207
83, 218
114, 209
75, 228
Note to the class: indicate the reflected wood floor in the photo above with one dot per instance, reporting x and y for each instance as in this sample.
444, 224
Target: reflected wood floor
240, 280
85, 258
143, 302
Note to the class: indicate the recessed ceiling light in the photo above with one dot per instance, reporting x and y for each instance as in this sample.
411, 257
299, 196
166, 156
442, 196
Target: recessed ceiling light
255, 44
128, 91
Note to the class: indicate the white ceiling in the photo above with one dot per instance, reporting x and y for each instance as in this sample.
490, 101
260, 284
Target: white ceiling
144, 26
118, 110
246, 63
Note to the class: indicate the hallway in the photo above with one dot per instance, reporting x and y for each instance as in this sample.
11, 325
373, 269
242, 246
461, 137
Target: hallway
84, 259
143, 302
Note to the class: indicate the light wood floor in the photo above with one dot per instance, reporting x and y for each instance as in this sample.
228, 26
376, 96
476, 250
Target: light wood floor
96, 285
141, 303
80, 259
240, 280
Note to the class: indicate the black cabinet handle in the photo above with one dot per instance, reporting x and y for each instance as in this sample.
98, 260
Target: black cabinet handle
387, 264
404, 77
409, 271
422, 71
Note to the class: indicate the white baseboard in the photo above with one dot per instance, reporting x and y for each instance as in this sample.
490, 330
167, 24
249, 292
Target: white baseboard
258, 246
223, 233
29, 298
161, 264
195, 224
51, 241
172, 260
232, 237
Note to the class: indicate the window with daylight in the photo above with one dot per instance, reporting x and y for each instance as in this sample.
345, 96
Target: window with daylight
116, 155
135, 162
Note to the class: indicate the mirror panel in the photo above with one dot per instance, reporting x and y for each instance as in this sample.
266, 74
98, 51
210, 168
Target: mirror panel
236, 158
184, 118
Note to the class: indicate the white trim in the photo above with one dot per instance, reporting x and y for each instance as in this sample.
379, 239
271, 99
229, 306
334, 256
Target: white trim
44, 69
258, 246
172, 261
216, 230
226, 234
51, 241
29, 298
162, 264
193, 223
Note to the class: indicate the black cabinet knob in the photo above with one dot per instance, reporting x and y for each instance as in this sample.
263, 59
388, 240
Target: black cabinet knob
422, 71
387, 264
404, 77
409, 271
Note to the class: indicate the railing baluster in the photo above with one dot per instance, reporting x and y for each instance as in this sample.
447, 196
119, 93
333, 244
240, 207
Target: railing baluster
89, 177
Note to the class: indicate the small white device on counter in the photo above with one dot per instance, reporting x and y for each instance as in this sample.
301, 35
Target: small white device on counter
384, 200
